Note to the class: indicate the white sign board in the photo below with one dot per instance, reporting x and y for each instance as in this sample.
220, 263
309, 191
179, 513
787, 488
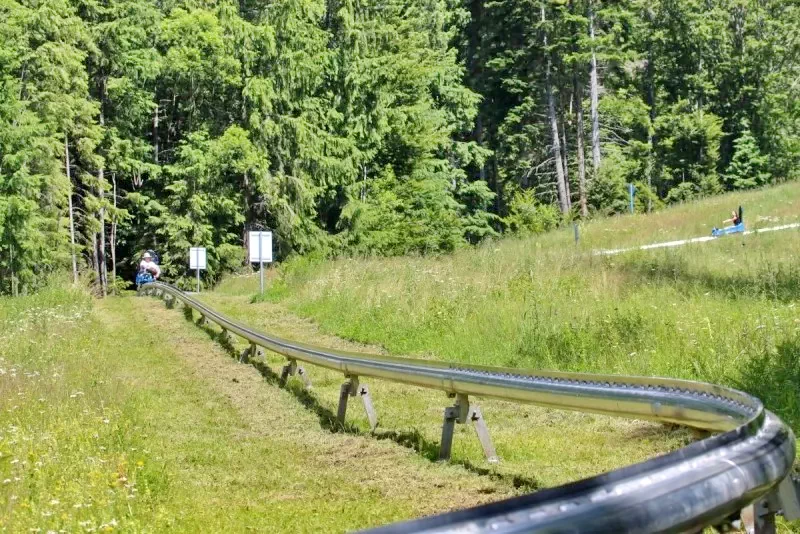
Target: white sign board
260, 247
197, 258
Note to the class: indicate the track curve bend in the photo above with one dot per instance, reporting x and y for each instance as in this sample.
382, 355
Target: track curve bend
704, 483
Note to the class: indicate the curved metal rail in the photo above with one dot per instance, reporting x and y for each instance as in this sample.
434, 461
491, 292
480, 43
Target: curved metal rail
706, 483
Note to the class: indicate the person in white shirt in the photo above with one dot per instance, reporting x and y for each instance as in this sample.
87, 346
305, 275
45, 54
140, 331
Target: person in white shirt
147, 265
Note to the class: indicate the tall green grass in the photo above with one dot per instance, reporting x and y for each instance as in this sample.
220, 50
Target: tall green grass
724, 311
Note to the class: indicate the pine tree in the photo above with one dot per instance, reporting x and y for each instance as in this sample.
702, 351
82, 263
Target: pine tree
748, 166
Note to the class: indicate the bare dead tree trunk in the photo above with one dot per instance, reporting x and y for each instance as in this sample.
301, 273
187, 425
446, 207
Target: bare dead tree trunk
580, 146
95, 260
71, 212
565, 155
246, 196
651, 102
102, 268
551, 111
155, 133
594, 97
650, 142
114, 232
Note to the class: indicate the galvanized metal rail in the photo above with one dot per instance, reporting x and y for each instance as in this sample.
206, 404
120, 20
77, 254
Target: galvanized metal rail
740, 474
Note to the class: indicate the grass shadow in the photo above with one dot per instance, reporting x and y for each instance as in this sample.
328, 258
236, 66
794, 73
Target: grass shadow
780, 282
774, 377
412, 439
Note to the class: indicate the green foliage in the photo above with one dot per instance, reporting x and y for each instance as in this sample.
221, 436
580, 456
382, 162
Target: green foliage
403, 216
369, 127
528, 216
687, 152
748, 167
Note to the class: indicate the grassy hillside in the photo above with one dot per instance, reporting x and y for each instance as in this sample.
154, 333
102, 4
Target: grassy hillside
121, 414
724, 311
124, 415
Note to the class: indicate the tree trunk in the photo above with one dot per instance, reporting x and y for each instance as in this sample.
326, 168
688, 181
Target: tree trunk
95, 259
651, 97
479, 140
566, 162
102, 269
594, 97
155, 133
551, 111
580, 146
14, 292
651, 102
474, 58
114, 232
71, 212
101, 255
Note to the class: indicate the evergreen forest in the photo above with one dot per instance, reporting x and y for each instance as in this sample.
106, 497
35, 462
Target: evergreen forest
371, 127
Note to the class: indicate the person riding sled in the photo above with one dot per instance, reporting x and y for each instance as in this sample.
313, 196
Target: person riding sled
148, 271
737, 224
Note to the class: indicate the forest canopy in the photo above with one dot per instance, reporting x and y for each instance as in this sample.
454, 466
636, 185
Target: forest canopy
371, 126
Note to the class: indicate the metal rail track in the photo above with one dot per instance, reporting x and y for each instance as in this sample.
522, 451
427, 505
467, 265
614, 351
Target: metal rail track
739, 474
681, 242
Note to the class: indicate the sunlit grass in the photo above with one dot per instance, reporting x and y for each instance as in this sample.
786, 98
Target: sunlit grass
724, 311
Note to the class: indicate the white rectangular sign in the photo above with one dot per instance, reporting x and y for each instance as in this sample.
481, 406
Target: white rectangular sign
197, 258
260, 247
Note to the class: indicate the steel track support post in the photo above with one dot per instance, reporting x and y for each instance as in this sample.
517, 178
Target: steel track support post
759, 517
449, 425
479, 423
170, 301
303, 374
288, 370
353, 388
225, 337
292, 369
789, 498
462, 412
345, 392
249, 353
201, 321
366, 399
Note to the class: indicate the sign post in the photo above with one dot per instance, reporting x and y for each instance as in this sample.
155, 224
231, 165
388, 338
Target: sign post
260, 245
197, 261
631, 191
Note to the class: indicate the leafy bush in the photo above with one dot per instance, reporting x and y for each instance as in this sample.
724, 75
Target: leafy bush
529, 216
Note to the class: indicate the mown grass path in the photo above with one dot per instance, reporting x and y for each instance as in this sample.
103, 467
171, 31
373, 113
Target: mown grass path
129, 417
124, 415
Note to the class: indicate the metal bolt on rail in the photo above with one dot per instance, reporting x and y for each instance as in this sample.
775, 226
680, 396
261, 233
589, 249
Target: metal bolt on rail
352, 388
463, 412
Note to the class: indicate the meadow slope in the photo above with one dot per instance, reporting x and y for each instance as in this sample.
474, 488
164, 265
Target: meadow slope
122, 414
724, 311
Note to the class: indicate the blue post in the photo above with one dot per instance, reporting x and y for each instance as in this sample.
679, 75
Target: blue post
631, 191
